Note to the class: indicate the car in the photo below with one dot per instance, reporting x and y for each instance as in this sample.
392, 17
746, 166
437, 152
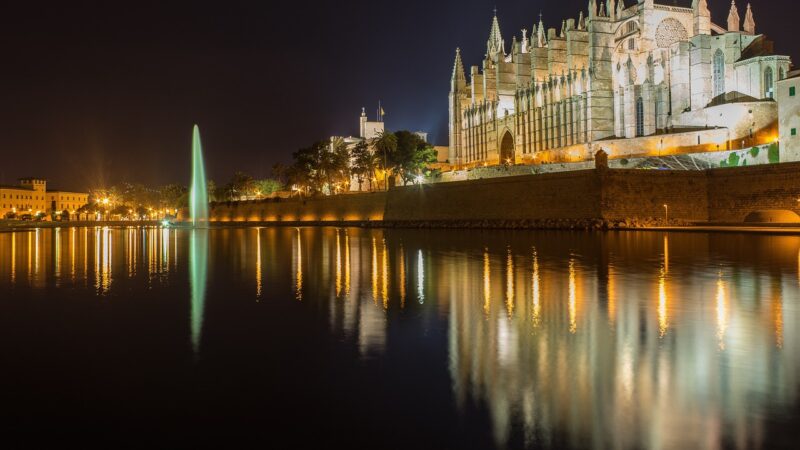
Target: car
26, 217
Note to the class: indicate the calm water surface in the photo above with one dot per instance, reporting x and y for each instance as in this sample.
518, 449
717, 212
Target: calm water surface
424, 339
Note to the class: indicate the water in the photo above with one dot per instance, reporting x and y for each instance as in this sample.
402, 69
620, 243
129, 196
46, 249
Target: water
423, 339
198, 191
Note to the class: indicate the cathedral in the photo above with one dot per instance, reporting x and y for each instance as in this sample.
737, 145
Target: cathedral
633, 80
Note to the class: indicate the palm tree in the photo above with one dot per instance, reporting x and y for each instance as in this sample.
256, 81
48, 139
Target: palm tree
385, 144
365, 162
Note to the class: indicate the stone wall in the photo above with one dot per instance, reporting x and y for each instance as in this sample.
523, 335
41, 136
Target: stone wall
734, 193
566, 195
553, 199
632, 193
340, 208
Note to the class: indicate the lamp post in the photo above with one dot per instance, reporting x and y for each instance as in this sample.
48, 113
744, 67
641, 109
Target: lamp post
666, 213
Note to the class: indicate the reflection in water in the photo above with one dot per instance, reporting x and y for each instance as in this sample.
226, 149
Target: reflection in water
509, 283
402, 283
573, 307
487, 283
722, 313
420, 278
198, 267
259, 277
537, 307
298, 269
13, 258
663, 314
587, 340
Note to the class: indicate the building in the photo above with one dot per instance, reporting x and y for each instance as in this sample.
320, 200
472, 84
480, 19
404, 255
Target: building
32, 197
789, 116
636, 79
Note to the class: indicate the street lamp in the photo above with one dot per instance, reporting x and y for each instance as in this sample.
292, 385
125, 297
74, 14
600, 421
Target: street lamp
666, 212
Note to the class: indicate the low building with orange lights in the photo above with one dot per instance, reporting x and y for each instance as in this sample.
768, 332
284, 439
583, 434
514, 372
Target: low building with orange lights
31, 197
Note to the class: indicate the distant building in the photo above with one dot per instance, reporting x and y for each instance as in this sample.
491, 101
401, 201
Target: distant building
789, 116
32, 197
634, 78
369, 130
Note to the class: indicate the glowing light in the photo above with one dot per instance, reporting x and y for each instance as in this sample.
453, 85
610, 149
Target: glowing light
419, 179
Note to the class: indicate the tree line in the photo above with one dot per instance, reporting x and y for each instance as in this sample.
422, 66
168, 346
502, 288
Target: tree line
327, 167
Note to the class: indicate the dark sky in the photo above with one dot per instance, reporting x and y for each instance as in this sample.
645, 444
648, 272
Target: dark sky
102, 92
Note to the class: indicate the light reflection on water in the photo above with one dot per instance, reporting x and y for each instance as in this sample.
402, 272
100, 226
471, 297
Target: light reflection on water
586, 340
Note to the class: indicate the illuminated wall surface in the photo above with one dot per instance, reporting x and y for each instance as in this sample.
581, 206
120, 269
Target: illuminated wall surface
618, 340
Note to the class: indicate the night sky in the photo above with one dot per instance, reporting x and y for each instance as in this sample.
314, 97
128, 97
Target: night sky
96, 93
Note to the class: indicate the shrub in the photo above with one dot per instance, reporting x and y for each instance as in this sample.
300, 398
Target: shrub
754, 152
624, 161
773, 154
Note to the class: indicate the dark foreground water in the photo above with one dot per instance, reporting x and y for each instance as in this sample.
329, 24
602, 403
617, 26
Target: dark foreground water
422, 339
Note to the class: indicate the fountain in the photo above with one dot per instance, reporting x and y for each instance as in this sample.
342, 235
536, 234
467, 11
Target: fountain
198, 191
198, 241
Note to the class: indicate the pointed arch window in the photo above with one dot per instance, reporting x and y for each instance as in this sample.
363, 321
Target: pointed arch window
639, 117
719, 73
768, 83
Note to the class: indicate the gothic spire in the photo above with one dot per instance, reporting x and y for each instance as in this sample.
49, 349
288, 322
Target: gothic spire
749, 21
495, 43
733, 18
581, 22
541, 39
620, 8
458, 67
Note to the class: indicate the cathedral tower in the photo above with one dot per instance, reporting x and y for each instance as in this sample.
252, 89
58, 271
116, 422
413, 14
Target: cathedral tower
458, 84
702, 17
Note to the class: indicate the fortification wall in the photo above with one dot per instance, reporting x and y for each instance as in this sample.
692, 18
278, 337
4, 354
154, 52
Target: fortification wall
579, 198
340, 208
631, 193
566, 195
735, 192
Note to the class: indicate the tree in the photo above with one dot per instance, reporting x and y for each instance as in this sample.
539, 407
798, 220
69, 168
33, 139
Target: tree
268, 186
385, 145
173, 196
411, 156
365, 162
337, 166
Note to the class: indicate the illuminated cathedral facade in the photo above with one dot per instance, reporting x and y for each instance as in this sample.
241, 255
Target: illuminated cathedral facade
631, 79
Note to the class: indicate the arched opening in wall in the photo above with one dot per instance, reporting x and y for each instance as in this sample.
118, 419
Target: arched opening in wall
507, 149
639, 116
719, 73
768, 83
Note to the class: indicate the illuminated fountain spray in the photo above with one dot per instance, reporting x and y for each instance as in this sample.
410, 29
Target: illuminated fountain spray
198, 241
198, 192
